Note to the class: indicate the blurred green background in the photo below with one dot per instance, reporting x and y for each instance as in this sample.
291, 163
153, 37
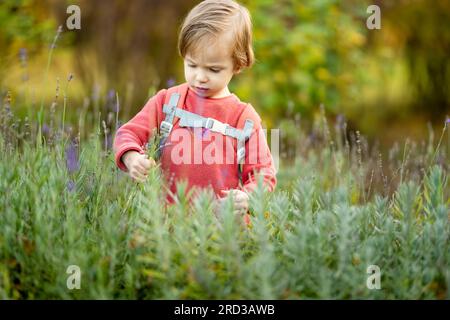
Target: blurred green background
390, 83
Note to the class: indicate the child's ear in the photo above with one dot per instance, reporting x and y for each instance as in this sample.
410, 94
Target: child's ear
237, 71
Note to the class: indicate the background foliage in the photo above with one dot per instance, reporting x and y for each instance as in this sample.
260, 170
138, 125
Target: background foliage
308, 53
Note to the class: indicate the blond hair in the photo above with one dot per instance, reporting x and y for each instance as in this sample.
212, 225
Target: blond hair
212, 18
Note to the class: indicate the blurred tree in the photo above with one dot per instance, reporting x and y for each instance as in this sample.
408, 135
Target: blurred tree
24, 27
129, 46
308, 53
422, 34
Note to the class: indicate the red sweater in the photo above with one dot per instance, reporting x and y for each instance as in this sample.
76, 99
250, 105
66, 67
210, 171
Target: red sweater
198, 155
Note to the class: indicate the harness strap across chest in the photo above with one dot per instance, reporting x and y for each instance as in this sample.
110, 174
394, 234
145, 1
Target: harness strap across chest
190, 119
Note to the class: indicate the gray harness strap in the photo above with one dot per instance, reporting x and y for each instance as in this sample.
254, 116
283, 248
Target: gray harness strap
169, 110
166, 125
189, 119
247, 131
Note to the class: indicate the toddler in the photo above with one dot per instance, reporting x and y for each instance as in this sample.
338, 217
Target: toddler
208, 137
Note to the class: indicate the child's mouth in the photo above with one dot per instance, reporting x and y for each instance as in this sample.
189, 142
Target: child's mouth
201, 90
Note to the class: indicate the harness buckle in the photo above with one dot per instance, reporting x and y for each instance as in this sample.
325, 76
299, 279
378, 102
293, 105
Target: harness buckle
165, 128
216, 126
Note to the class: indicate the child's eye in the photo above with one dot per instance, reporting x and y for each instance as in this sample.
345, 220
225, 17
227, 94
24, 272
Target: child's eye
215, 70
191, 65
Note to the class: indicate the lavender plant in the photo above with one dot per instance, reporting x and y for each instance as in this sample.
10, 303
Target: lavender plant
312, 238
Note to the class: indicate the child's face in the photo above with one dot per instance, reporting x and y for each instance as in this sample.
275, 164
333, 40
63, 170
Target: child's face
211, 68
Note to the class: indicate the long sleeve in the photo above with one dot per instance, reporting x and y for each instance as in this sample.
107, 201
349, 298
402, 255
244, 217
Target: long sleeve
258, 159
134, 134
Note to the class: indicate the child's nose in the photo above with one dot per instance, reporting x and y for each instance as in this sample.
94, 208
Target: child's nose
201, 76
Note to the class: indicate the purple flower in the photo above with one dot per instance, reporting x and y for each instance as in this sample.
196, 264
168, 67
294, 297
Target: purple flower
111, 94
170, 82
205, 132
23, 55
340, 121
447, 121
112, 104
70, 186
45, 129
72, 158
312, 137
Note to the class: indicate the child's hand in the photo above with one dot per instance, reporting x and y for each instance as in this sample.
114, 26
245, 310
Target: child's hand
138, 165
240, 200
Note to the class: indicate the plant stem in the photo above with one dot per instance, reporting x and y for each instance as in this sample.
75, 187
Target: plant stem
438, 145
65, 104
41, 110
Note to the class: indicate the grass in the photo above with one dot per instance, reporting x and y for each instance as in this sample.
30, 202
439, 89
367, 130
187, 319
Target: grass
65, 203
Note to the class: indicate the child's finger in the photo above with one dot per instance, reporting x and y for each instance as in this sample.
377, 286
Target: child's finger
145, 163
240, 205
144, 167
137, 178
240, 211
240, 196
142, 177
141, 169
